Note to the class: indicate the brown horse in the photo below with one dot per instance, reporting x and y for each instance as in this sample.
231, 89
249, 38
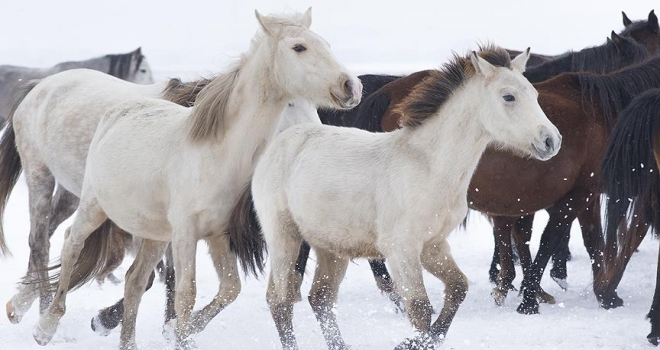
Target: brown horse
631, 179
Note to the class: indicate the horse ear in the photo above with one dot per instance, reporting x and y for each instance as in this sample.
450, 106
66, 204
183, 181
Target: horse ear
138, 52
520, 62
307, 21
653, 21
626, 20
616, 39
263, 21
481, 66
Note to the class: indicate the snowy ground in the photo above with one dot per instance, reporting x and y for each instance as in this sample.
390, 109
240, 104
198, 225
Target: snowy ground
371, 37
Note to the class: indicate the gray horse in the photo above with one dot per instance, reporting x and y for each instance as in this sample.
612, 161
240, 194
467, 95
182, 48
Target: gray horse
130, 66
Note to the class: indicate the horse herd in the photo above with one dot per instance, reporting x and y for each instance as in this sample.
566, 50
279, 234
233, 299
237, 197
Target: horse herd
384, 169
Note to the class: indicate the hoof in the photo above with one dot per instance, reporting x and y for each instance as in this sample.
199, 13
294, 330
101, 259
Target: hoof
421, 342
653, 339
563, 284
40, 336
610, 301
13, 315
98, 327
169, 330
186, 344
528, 309
545, 298
499, 296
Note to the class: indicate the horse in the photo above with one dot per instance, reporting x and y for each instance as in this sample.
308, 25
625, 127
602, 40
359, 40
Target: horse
200, 156
630, 178
350, 193
130, 66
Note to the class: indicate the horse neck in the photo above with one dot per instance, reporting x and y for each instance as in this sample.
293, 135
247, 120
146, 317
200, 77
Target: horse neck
549, 69
452, 141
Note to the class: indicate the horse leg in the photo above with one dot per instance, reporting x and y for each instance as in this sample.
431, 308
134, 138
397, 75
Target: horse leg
558, 272
89, 217
437, 259
502, 226
385, 283
301, 265
64, 204
41, 184
137, 278
225, 265
522, 235
654, 313
109, 318
170, 285
406, 270
494, 270
330, 271
283, 242
562, 215
184, 247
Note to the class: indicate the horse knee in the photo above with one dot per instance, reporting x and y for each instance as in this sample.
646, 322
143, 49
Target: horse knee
420, 312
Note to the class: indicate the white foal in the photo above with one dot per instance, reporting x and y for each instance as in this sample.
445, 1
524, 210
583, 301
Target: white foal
397, 195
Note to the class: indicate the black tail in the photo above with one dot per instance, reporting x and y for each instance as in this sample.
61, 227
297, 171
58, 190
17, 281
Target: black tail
245, 238
630, 174
10, 164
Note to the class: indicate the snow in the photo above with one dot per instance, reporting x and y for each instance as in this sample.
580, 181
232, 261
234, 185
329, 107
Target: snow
199, 37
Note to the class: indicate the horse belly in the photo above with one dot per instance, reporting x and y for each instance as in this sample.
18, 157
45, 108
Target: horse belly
344, 242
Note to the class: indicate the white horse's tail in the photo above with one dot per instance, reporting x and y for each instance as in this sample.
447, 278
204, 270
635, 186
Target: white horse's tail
245, 238
10, 164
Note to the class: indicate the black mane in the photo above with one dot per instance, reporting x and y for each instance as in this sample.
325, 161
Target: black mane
120, 65
606, 58
614, 91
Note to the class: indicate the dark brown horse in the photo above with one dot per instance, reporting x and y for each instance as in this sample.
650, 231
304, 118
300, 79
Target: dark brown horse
631, 178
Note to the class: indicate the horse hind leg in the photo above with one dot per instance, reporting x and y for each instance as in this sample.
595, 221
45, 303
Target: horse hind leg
64, 204
90, 216
41, 184
385, 284
137, 279
330, 271
283, 240
502, 226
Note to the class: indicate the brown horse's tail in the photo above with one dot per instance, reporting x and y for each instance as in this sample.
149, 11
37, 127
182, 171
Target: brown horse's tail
630, 177
245, 238
10, 164
95, 257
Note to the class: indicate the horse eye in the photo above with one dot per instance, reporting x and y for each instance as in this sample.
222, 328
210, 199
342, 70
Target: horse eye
508, 98
299, 48
143, 70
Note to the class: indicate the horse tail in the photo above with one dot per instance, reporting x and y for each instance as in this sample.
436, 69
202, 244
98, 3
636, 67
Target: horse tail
10, 163
95, 257
630, 177
245, 237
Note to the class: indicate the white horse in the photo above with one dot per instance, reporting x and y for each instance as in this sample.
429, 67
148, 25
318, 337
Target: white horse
351, 193
68, 122
168, 173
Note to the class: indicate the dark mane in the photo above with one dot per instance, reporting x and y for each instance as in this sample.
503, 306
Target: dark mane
427, 98
614, 54
184, 94
120, 65
634, 27
614, 91
362, 116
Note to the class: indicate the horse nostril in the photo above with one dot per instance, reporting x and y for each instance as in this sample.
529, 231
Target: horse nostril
348, 87
549, 144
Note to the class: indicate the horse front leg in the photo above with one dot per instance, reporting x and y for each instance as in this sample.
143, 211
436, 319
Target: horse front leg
330, 271
502, 226
184, 248
137, 278
654, 313
437, 259
225, 263
385, 283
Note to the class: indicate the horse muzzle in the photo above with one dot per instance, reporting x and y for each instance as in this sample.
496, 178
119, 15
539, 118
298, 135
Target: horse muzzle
548, 145
350, 95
